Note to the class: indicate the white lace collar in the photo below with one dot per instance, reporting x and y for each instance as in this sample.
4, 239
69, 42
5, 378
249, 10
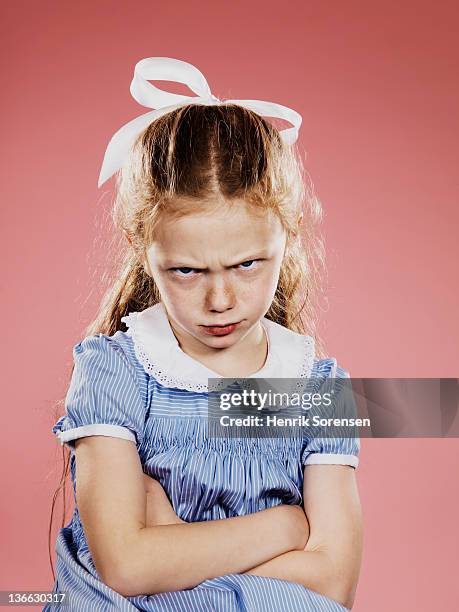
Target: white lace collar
290, 354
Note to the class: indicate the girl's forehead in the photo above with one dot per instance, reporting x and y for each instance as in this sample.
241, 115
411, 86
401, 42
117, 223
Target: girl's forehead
219, 217
232, 230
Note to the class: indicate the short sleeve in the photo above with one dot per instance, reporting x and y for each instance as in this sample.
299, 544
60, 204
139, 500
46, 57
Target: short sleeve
331, 448
104, 397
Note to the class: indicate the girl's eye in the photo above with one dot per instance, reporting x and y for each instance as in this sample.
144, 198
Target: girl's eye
248, 267
185, 271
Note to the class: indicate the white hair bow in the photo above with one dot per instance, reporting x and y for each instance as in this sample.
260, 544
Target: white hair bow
169, 69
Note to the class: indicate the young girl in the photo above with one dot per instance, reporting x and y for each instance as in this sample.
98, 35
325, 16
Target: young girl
214, 283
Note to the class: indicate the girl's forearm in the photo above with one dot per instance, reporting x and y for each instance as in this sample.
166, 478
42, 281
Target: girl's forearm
284, 566
312, 569
180, 556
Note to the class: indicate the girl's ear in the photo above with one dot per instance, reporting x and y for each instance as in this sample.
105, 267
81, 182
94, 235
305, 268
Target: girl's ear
298, 222
128, 237
293, 235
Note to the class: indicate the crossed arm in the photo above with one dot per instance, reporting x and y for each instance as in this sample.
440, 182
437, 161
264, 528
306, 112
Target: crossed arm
330, 561
318, 546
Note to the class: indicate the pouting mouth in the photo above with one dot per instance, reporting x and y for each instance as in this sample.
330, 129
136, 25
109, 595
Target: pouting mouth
222, 324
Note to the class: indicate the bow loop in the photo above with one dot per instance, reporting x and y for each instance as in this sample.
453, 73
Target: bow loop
166, 69
147, 94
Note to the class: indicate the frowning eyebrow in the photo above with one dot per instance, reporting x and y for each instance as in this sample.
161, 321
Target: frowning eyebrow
179, 263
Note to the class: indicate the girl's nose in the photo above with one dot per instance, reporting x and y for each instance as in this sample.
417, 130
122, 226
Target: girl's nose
220, 295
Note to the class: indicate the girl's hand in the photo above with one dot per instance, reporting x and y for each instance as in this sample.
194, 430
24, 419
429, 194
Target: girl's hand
159, 510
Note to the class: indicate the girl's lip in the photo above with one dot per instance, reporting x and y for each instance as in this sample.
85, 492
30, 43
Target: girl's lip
220, 330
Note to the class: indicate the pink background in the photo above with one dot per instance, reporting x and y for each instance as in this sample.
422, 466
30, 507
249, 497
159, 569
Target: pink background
378, 89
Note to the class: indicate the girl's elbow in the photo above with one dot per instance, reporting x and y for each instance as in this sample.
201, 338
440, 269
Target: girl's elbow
130, 583
346, 585
348, 597
343, 579
114, 576
349, 602
126, 588
126, 574
342, 591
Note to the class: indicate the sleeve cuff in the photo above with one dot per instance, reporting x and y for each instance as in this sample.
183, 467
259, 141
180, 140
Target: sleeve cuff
332, 459
97, 429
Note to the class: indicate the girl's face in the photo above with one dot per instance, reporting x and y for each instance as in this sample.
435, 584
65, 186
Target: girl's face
217, 268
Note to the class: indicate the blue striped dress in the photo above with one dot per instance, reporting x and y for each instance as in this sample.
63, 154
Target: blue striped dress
140, 386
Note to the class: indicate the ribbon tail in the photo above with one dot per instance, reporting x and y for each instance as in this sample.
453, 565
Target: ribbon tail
289, 135
122, 141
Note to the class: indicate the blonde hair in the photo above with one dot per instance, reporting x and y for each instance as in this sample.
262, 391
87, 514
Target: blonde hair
179, 164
